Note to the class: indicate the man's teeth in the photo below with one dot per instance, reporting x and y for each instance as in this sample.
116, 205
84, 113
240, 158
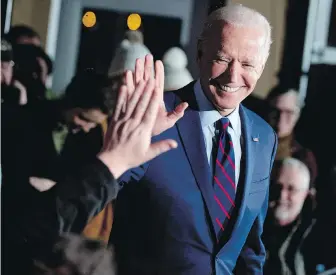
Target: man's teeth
229, 89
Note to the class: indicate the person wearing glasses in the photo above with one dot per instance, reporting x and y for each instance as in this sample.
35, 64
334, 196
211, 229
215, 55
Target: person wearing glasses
283, 116
290, 220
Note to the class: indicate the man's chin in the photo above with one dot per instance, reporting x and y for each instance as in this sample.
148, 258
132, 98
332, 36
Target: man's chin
281, 214
225, 105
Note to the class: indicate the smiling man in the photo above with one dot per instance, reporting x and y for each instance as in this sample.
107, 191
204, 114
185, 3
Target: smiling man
200, 209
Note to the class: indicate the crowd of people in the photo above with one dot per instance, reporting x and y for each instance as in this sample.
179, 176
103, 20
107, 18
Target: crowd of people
143, 169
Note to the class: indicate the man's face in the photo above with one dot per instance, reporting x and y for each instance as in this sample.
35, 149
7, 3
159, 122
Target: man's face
289, 113
231, 62
6, 72
290, 193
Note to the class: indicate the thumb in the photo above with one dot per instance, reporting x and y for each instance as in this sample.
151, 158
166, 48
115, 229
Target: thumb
178, 111
160, 147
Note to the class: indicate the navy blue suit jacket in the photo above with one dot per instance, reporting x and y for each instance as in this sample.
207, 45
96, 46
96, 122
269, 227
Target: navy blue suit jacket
164, 214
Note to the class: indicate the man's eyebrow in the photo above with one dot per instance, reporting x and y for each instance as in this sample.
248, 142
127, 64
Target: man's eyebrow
249, 60
221, 54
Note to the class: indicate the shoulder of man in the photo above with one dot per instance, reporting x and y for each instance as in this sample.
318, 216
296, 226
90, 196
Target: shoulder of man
259, 122
184, 94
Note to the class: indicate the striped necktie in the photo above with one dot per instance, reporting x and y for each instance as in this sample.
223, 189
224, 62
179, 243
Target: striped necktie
224, 178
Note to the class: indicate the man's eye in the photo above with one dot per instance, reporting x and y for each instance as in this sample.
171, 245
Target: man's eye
221, 60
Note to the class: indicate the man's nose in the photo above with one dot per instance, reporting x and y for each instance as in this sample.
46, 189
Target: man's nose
233, 72
284, 194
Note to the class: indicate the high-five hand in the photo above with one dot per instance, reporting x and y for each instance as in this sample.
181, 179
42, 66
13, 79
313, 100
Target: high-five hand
144, 71
127, 142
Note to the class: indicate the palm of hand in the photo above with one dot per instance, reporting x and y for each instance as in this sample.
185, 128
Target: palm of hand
144, 71
162, 121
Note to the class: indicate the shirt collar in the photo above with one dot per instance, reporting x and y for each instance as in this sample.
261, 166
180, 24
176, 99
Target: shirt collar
209, 115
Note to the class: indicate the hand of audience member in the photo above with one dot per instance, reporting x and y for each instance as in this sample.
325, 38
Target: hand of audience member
127, 142
23, 92
144, 71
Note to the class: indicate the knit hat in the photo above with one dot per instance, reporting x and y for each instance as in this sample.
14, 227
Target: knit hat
130, 49
176, 73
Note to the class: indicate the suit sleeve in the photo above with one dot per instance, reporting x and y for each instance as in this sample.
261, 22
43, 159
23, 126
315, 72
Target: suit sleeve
252, 257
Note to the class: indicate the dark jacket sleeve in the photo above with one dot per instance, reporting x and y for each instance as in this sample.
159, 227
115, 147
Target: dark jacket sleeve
30, 228
83, 195
65, 208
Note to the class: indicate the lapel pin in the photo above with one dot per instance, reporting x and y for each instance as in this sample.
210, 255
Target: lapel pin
255, 139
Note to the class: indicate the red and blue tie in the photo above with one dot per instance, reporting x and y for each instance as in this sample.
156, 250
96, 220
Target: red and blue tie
224, 178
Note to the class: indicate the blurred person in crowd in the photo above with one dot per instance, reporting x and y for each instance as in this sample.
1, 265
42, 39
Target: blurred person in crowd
131, 48
93, 95
176, 73
25, 88
286, 112
74, 255
12, 91
16, 117
23, 34
290, 220
127, 144
32, 67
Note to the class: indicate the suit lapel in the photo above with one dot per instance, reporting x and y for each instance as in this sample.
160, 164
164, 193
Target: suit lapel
191, 134
190, 131
249, 149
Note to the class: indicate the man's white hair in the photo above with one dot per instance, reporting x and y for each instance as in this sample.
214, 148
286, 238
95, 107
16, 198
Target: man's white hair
239, 16
299, 165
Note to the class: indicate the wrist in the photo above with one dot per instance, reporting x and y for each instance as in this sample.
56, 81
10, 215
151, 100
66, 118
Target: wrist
115, 164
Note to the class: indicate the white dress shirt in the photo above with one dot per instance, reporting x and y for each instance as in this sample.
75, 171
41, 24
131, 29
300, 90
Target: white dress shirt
209, 115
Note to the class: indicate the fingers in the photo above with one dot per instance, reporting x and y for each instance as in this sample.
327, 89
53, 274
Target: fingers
132, 103
181, 108
159, 75
122, 98
150, 115
129, 81
148, 71
139, 70
178, 112
160, 147
143, 103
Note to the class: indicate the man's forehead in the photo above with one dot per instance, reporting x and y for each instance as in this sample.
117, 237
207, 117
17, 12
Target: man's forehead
292, 176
